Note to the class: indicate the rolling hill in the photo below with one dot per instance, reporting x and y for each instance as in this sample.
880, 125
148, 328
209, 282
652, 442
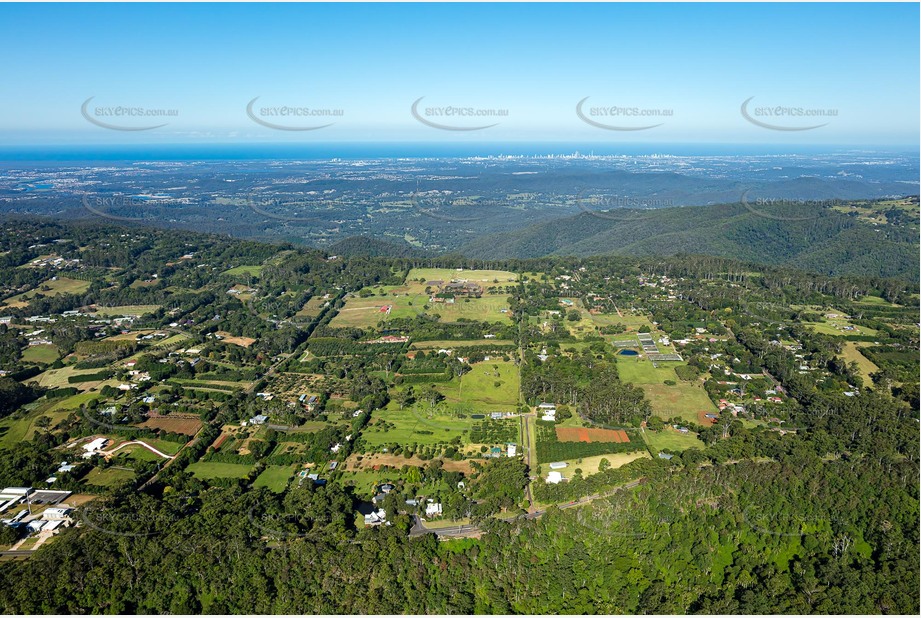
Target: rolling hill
818, 240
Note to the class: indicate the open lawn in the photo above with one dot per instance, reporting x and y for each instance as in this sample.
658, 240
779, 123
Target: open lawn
171, 340
14, 430
61, 285
486, 309
367, 312
672, 440
240, 341
840, 327
138, 453
254, 271
489, 386
215, 470
109, 477
46, 354
137, 310
460, 343
876, 300
589, 465
57, 378
630, 321
850, 351
415, 424
475, 393
640, 370
73, 402
312, 307
689, 401
275, 477
164, 446
484, 278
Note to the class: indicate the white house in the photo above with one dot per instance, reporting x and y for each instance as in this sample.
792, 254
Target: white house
554, 477
92, 448
433, 509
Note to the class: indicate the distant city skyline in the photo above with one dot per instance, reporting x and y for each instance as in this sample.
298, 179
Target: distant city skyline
605, 74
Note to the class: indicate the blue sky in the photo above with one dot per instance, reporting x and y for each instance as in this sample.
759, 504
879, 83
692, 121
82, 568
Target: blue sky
372, 61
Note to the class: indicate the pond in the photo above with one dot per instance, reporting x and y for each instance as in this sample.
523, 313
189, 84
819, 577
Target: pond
629, 353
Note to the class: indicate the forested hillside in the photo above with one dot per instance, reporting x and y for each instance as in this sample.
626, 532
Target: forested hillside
826, 241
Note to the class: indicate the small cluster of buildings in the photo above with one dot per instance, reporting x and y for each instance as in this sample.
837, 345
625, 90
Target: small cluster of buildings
56, 515
547, 412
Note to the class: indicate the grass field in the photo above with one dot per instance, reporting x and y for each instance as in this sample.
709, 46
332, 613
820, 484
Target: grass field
173, 339
416, 424
311, 308
876, 300
14, 430
255, 271
73, 402
836, 327
687, 400
46, 354
215, 470
366, 312
477, 388
639, 370
672, 440
850, 351
474, 393
589, 465
460, 343
486, 309
632, 322
485, 278
164, 446
57, 378
62, 285
110, 477
275, 477
137, 310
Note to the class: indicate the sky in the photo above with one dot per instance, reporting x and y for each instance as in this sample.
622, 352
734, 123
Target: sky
71, 70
